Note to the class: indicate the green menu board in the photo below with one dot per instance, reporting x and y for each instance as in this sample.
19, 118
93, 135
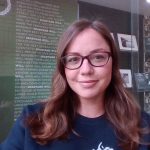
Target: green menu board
29, 32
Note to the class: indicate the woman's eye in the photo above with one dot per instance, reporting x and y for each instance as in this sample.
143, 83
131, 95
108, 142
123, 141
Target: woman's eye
73, 59
99, 57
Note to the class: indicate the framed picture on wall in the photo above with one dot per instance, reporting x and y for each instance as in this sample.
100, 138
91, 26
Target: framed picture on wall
127, 42
127, 78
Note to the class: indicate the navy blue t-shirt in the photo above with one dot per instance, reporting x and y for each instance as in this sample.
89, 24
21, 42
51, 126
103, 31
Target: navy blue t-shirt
95, 134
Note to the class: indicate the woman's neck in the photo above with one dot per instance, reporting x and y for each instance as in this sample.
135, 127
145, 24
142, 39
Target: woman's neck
91, 108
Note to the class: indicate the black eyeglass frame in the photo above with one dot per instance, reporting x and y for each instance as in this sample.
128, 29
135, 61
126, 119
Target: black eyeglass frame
86, 57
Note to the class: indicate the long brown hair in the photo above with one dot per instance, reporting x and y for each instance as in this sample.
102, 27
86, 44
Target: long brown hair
55, 121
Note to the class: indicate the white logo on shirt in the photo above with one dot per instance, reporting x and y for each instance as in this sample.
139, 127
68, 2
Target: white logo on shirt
101, 147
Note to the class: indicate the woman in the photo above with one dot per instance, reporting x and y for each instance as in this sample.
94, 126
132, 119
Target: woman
89, 108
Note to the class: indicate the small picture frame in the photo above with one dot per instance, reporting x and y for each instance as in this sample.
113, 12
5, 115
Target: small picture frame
127, 78
127, 42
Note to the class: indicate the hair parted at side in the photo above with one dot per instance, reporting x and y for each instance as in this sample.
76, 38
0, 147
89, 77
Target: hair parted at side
55, 121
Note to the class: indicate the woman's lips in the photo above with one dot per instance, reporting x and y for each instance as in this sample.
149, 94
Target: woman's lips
88, 83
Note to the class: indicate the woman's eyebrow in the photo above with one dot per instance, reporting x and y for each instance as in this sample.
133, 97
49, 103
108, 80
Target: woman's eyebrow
72, 53
90, 52
99, 50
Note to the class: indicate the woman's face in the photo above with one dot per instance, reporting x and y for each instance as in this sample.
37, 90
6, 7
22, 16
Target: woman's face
89, 82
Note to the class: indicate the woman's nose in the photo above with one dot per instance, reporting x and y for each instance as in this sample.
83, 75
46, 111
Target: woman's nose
86, 67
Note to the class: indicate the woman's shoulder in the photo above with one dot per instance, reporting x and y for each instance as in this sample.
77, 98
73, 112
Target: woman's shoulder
32, 109
16, 137
145, 117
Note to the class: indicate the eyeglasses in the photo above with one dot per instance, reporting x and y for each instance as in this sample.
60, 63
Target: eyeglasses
73, 61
